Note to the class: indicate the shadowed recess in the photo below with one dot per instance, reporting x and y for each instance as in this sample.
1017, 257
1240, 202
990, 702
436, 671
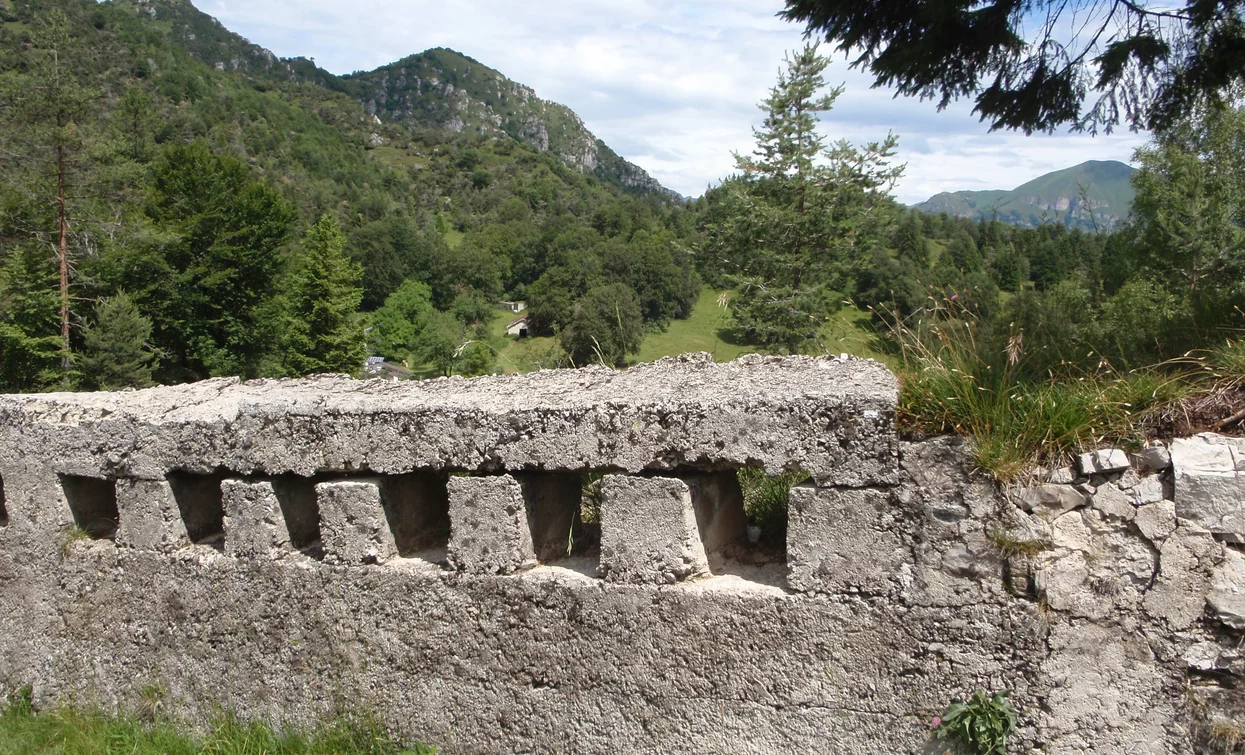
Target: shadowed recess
198, 499
93, 503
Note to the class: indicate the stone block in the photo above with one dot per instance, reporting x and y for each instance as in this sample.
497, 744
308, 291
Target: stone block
552, 501
843, 540
1103, 461
1209, 477
1157, 521
1062, 476
1149, 490
489, 531
1047, 502
254, 523
353, 522
1227, 590
149, 518
649, 533
1153, 459
1112, 501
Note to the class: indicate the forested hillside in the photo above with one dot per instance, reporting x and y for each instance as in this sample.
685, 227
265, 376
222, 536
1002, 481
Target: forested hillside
1096, 196
187, 192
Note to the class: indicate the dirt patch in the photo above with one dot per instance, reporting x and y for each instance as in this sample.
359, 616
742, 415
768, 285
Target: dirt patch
1220, 410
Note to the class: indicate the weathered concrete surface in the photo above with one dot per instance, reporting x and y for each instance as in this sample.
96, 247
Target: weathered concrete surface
353, 522
911, 581
649, 533
833, 419
489, 530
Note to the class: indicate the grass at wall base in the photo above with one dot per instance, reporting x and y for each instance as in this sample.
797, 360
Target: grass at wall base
67, 731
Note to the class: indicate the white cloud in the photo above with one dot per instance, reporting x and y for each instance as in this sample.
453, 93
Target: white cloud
672, 86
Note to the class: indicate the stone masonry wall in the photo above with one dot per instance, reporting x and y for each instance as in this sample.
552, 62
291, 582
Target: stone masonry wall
296, 550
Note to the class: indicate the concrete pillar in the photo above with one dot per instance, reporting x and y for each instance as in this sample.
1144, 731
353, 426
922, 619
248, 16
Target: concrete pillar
489, 532
353, 524
843, 540
254, 523
149, 518
649, 533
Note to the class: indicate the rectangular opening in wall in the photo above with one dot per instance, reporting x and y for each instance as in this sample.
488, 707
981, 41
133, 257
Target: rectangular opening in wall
93, 503
553, 501
417, 507
297, 497
584, 553
198, 499
742, 518
4, 512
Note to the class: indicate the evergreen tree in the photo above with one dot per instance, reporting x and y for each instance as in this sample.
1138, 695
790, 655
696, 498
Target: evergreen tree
49, 109
115, 347
223, 232
30, 344
803, 218
910, 243
323, 331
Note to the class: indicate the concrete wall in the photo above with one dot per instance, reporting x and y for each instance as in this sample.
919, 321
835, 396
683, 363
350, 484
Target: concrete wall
294, 550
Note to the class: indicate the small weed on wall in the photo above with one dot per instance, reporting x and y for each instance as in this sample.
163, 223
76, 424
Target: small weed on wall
980, 726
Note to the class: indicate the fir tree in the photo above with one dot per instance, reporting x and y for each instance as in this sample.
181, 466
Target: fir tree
115, 352
323, 332
30, 344
803, 218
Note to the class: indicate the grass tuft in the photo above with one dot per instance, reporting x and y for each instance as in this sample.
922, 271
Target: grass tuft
952, 383
75, 732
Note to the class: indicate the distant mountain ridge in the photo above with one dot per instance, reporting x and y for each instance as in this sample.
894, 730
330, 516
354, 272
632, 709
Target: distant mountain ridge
435, 89
1095, 195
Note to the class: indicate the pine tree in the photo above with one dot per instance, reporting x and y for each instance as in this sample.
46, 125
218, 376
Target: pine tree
324, 333
30, 345
910, 243
50, 108
803, 217
115, 347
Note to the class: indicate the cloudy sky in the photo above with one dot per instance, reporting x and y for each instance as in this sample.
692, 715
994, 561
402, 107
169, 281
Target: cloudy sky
670, 85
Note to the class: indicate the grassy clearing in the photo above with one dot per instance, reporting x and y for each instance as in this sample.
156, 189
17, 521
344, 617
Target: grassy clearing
70, 732
705, 330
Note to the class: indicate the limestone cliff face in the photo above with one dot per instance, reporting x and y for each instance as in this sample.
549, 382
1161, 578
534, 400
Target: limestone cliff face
445, 90
436, 89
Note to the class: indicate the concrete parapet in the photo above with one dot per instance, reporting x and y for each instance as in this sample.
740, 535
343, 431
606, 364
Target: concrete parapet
649, 533
344, 505
489, 531
832, 418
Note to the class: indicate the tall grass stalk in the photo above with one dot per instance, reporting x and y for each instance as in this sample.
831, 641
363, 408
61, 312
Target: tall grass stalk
953, 380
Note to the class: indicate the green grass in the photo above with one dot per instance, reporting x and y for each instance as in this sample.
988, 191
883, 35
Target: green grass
952, 383
74, 732
705, 330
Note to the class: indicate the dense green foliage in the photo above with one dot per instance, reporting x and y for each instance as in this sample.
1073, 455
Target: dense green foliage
980, 726
1036, 65
254, 214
